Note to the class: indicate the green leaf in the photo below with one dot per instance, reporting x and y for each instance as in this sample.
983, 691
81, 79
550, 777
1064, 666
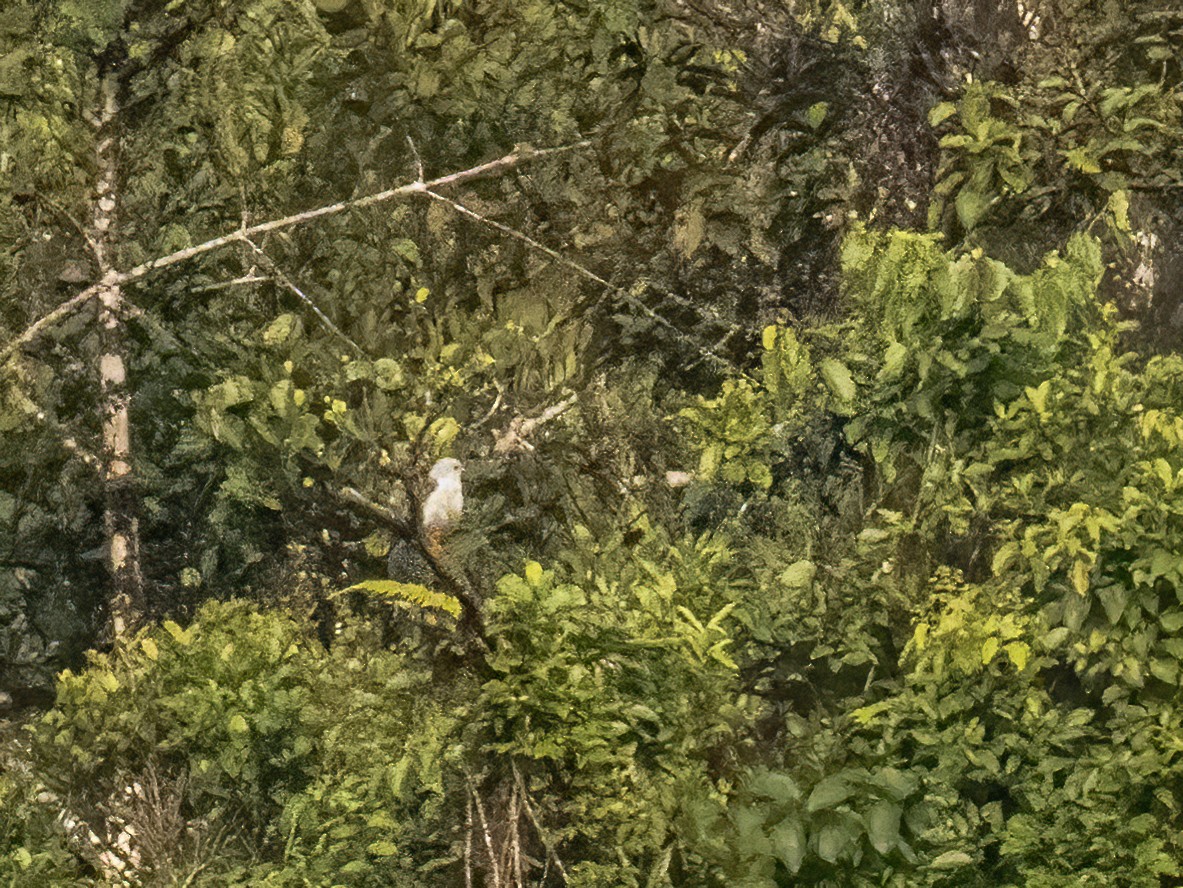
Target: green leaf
952, 860
883, 825
1083, 160
181, 636
816, 114
971, 206
989, 649
280, 329
828, 793
1119, 206
1018, 652
408, 593
774, 785
838, 380
237, 724
941, 112
788, 843
798, 575
832, 840
893, 361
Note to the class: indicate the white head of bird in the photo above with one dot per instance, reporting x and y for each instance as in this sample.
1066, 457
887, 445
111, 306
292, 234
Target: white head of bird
444, 504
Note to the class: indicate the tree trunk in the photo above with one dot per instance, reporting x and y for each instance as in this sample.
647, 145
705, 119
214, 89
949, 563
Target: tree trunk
120, 515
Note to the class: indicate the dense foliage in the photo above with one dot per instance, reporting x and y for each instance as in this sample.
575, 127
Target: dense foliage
819, 404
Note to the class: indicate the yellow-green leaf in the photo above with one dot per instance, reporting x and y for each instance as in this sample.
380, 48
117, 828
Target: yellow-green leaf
838, 379
989, 649
181, 636
279, 329
1018, 652
816, 114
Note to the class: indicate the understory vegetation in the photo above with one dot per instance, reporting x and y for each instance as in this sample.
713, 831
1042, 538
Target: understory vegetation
814, 367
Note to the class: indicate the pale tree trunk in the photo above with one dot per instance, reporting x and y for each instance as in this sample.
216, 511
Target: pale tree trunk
120, 515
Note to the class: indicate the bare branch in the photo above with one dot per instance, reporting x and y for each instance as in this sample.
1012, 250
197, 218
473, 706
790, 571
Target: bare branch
235, 282
418, 159
515, 158
494, 867
551, 854
384, 514
518, 235
515, 840
516, 436
69, 217
59, 314
584, 272
307, 300
114, 279
468, 844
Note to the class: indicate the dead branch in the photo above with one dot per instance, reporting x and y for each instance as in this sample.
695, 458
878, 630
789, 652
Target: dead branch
244, 234
94, 248
59, 314
386, 515
515, 436
513, 159
515, 839
305, 298
468, 844
494, 868
551, 854
244, 280
705, 352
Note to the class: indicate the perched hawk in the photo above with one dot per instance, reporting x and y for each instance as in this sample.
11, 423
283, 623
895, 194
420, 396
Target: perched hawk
444, 504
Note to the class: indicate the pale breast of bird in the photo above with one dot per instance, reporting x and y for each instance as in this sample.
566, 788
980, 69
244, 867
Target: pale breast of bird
445, 503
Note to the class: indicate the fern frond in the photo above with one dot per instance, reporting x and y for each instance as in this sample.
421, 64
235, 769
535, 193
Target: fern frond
408, 594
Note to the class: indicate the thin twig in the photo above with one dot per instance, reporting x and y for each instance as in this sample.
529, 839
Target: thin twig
494, 869
305, 298
60, 313
578, 269
485, 169
69, 217
524, 238
385, 514
115, 279
515, 847
236, 282
492, 410
551, 854
418, 159
468, 845
515, 436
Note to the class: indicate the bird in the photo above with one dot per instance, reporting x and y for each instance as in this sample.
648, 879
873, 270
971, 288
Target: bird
444, 505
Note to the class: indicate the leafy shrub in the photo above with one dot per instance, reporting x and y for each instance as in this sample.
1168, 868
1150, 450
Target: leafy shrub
616, 698
309, 760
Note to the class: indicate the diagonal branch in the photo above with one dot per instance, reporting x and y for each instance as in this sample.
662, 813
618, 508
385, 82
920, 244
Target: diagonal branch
515, 158
705, 352
275, 270
520, 155
56, 316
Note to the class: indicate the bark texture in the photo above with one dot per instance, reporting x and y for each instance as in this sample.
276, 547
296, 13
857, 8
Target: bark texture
120, 515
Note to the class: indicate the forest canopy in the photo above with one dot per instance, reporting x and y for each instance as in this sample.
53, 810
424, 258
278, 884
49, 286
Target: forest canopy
810, 369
